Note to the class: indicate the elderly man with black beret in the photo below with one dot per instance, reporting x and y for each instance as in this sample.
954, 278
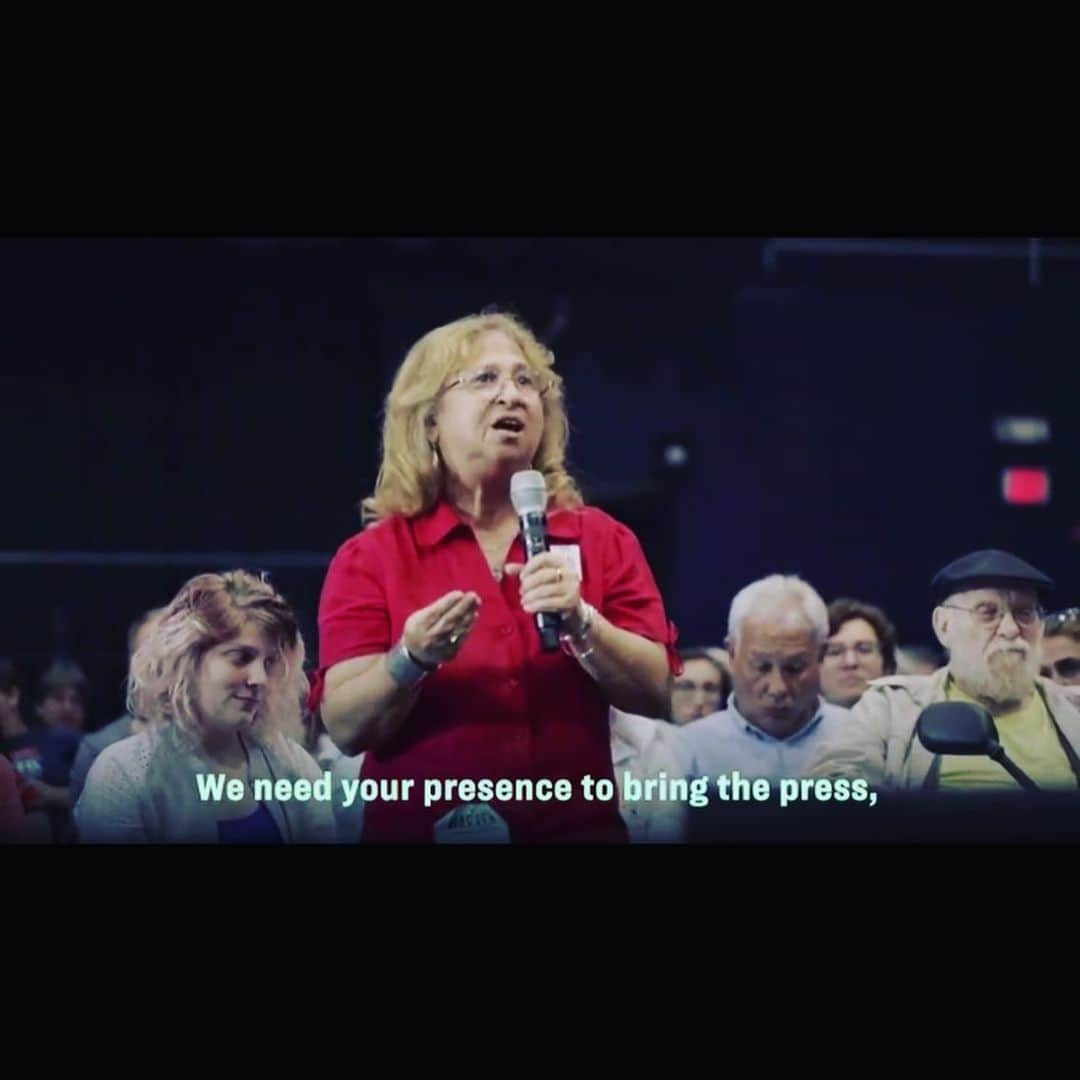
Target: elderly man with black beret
988, 614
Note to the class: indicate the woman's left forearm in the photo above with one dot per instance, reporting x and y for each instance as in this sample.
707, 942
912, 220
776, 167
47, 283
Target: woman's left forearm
631, 670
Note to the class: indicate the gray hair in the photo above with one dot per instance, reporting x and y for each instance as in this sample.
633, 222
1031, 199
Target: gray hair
774, 595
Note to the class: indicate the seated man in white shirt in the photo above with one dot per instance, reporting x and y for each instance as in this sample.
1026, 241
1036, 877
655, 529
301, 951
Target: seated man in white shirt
776, 717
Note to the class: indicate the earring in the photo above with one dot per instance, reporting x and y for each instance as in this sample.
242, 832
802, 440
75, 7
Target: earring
435, 457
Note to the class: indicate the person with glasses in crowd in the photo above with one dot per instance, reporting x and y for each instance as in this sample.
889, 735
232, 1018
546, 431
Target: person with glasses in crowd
430, 663
1061, 648
701, 689
988, 615
861, 647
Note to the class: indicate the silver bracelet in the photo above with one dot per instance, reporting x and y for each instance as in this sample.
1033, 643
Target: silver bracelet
578, 644
405, 670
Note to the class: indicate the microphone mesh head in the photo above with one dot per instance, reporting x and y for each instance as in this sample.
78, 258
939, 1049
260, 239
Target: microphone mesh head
528, 492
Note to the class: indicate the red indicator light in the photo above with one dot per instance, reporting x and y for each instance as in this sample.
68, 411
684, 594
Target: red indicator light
1026, 487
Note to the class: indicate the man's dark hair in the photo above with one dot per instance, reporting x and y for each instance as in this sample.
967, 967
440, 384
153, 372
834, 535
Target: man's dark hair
846, 609
60, 674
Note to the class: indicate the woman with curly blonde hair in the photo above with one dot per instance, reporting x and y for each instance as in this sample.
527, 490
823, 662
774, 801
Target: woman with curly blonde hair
430, 661
218, 679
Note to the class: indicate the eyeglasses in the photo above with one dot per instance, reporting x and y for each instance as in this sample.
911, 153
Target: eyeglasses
1060, 619
526, 380
860, 648
1067, 667
680, 686
990, 613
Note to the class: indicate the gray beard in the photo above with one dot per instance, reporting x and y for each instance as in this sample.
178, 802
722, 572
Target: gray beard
1002, 680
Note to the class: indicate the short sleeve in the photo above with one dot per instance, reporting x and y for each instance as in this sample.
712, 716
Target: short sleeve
354, 619
631, 598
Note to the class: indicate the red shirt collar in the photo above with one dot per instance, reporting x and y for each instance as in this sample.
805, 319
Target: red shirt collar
433, 526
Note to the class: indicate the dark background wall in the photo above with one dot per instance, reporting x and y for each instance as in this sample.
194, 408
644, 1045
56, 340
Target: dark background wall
193, 401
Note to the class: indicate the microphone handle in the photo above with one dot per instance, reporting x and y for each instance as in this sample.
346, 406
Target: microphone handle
534, 538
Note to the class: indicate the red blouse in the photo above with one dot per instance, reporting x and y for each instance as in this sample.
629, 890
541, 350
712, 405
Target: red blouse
502, 708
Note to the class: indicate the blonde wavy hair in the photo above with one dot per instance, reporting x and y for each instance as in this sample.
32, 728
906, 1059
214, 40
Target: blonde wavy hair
410, 478
208, 610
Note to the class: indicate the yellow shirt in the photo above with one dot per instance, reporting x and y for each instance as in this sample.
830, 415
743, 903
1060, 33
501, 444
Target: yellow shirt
1031, 742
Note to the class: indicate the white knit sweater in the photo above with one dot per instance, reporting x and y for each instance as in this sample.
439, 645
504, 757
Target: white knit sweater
143, 790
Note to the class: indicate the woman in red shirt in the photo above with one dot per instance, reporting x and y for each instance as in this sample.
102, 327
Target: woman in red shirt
430, 659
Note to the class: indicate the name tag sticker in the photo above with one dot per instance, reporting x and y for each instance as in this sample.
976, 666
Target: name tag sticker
571, 557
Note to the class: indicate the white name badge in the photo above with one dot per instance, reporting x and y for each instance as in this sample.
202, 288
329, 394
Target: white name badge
571, 558
473, 823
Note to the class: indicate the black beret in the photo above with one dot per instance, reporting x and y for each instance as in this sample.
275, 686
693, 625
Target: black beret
992, 568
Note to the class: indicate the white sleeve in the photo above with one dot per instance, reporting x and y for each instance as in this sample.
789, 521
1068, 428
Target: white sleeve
683, 761
686, 744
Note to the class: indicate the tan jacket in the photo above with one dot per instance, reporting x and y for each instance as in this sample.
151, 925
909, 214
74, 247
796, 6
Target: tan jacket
883, 746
